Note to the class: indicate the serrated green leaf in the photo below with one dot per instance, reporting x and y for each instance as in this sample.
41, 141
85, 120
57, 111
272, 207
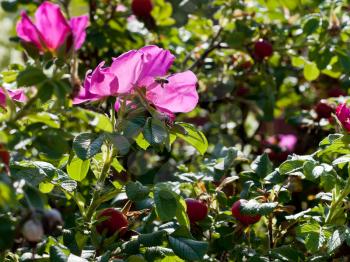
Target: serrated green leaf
154, 131
152, 239
192, 136
188, 249
262, 165
136, 191
253, 207
86, 145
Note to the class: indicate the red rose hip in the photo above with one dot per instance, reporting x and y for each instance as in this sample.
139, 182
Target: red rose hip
4, 155
142, 8
323, 110
196, 210
244, 219
112, 221
262, 49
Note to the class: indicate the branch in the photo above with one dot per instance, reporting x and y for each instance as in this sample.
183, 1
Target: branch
212, 46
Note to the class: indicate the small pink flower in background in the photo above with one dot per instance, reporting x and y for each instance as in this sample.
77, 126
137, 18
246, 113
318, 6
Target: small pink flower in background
280, 146
343, 114
16, 95
144, 68
51, 31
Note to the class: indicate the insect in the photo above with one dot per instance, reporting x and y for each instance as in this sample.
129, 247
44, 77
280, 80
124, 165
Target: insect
162, 81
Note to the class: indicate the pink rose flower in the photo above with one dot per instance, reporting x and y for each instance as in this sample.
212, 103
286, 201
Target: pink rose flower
16, 95
51, 31
343, 114
144, 68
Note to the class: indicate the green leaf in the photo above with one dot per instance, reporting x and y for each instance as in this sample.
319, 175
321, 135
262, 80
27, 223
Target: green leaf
253, 207
192, 136
188, 249
311, 25
335, 241
262, 165
136, 191
46, 118
154, 131
181, 214
287, 253
166, 203
57, 255
95, 119
290, 166
152, 239
341, 160
311, 71
141, 141
116, 165
77, 169
86, 145
30, 76
120, 142
152, 253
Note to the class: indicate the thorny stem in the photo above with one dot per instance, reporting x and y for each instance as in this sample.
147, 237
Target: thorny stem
95, 201
337, 201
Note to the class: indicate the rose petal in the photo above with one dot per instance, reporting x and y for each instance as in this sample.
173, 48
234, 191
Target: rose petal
178, 95
103, 82
157, 61
78, 26
28, 32
127, 68
52, 25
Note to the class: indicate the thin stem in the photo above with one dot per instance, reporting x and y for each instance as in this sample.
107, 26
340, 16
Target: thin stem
95, 201
270, 229
339, 200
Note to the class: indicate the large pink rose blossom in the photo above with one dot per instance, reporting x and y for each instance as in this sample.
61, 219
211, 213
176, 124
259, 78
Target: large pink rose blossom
343, 114
51, 31
144, 68
16, 95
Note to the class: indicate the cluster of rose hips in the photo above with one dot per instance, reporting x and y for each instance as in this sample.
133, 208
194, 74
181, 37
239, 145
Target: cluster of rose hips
197, 210
112, 221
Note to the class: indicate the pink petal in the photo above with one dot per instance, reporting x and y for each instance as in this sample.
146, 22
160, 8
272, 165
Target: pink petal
103, 82
84, 93
28, 32
157, 61
343, 114
287, 142
78, 26
17, 95
52, 24
127, 68
178, 95
2, 98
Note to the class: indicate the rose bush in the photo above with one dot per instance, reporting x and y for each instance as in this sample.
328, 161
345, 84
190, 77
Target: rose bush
175, 131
